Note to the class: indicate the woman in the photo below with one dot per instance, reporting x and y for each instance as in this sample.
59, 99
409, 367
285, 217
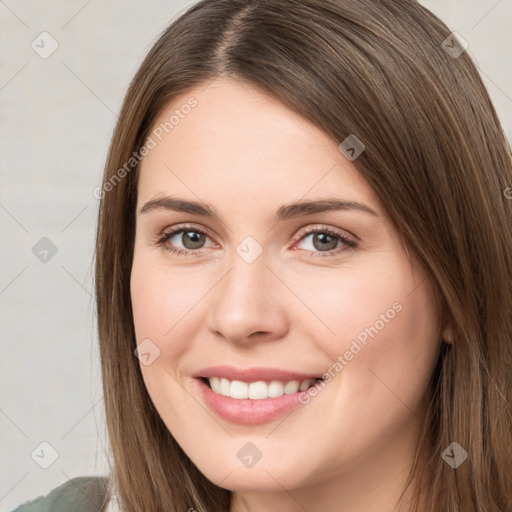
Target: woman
303, 267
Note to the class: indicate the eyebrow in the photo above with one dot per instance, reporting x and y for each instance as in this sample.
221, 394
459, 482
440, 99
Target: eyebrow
285, 212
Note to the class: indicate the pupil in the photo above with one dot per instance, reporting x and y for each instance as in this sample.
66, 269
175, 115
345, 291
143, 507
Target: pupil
192, 240
324, 239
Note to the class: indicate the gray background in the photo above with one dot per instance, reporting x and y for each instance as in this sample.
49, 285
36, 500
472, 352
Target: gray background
57, 116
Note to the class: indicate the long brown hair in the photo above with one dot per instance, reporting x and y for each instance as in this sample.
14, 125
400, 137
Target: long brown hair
391, 73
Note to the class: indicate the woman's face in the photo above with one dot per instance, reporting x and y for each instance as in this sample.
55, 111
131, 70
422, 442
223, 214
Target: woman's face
254, 290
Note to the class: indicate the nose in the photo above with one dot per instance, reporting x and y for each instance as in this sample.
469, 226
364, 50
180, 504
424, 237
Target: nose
248, 304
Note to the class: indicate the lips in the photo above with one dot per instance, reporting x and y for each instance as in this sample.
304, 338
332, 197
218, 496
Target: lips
249, 411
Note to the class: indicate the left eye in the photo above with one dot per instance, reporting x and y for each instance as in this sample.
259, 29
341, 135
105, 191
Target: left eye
321, 241
324, 242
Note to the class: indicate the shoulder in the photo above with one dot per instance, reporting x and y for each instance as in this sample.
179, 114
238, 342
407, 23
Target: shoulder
80, 494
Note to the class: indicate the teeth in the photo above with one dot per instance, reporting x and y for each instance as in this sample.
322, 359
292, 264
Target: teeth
305, 384
239, 389
275, 389
225, 387
257, 390
291, 387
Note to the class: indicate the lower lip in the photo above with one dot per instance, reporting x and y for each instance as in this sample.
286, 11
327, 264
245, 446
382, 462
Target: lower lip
248, 411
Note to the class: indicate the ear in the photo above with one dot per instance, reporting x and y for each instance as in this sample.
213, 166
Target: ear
447, 334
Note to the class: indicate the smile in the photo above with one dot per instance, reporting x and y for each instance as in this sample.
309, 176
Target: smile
252, 395
259, 390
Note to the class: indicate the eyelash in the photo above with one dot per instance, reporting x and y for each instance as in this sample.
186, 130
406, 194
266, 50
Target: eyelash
349, 244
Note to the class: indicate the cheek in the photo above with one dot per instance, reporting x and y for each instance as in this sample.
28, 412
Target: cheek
163, 300
348, 299
382, 337
404, 329
162, 303
388, 345
381, 357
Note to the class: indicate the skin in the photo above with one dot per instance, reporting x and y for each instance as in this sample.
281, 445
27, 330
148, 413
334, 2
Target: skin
245, 154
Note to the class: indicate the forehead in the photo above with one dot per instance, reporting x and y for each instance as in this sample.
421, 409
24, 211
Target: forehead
231, 137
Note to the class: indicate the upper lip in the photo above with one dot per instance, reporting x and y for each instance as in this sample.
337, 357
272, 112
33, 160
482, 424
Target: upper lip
253, 374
